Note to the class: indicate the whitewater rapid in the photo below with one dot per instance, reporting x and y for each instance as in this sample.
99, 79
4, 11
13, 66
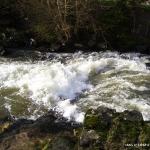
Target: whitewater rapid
72, 83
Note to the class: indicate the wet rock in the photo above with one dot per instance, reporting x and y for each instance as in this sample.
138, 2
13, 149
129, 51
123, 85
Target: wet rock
4, 114
102, 45
88, 137
114, 129
132, 115
63, 142
13, 127
5, 119
148, 64
19, 141
142, 49
54, 122
106, 113
55, 46
100, 118
78, 45
50, 131
145, 133
24, 54
91, 43
2, 51
121, 133
102, 129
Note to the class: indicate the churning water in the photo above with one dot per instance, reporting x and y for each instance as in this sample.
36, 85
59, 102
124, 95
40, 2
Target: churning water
72, 83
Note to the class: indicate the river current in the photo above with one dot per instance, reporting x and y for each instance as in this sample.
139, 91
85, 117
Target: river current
71, 83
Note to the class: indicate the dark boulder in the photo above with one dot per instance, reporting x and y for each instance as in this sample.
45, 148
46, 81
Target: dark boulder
100, 118
132, 115
2, 51
103, 129
148, 64
54, 122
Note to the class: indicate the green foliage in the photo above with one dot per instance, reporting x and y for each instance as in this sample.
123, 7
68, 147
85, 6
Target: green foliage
60, 21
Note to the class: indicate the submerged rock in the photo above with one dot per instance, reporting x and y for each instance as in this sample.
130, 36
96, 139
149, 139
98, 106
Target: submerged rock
4, 114
148, 64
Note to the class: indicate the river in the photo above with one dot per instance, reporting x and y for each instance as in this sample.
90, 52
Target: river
31, 83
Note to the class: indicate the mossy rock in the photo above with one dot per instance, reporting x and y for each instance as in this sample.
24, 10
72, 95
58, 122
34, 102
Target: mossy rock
100, 121
115, 130
145, 134
63, 142
92, 122
103, 129
123, 132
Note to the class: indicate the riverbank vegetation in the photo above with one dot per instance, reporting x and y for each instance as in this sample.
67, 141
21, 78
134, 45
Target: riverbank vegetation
93, 23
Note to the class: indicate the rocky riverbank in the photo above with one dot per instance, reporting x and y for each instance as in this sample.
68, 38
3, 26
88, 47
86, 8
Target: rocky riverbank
103, 128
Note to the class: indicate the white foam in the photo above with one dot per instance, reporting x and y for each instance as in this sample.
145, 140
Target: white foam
70, 111
40, 80
55, 84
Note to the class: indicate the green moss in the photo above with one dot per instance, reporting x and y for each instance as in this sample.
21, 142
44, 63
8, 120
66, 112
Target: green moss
145, 134
95, 122
92, 122
95, 132
123, 132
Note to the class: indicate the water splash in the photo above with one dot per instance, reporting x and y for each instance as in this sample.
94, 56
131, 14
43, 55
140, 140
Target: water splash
71, 83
